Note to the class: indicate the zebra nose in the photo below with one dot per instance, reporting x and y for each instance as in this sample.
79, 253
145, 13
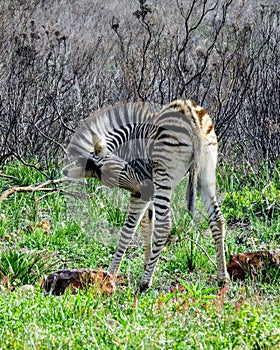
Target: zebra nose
64, 172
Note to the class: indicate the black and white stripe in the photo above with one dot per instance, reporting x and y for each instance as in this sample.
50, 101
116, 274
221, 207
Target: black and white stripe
127, 146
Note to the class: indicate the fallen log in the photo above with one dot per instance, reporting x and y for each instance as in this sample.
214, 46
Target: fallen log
58, 282
253, 264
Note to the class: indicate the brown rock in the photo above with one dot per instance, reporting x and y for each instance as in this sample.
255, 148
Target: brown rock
58, 282
252, 264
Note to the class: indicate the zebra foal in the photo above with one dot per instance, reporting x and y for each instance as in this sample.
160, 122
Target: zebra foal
129, 147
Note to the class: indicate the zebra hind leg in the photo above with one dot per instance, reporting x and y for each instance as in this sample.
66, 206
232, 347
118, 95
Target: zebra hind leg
217, 225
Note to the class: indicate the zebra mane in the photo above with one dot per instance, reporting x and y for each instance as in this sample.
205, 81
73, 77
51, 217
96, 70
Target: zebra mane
90, 135
89, 139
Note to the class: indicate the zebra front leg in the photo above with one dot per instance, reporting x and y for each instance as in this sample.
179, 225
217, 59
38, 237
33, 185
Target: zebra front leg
147, 226
137, 208
161, 232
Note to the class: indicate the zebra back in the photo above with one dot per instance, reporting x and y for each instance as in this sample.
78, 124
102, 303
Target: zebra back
197, 114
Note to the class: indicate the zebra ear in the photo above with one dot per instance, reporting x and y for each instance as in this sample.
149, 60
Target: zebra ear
99, 146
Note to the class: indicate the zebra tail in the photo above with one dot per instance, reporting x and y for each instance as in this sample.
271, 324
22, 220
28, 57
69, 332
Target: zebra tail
192, 189
194, 172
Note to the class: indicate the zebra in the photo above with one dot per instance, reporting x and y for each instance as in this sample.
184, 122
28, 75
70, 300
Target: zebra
148, 153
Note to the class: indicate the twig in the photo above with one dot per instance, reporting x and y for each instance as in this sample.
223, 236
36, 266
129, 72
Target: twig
49, 138
33, 188
5, 176
17, 155
197, 244
202, 248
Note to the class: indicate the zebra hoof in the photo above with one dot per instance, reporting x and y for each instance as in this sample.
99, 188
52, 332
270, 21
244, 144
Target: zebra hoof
144, 286
223, 282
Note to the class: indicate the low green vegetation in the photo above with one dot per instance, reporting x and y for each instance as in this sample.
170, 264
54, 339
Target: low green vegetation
77, 225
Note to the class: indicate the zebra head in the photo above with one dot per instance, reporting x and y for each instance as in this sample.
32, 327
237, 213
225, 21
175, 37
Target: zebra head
83, 167
112, 171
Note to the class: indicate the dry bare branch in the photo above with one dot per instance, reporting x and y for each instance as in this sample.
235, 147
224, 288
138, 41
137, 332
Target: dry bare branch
33, 188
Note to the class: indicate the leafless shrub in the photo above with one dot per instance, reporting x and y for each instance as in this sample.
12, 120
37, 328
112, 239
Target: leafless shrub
60, 61
46, 79
261, 104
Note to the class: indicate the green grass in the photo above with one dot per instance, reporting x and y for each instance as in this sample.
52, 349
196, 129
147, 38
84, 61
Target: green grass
184, 309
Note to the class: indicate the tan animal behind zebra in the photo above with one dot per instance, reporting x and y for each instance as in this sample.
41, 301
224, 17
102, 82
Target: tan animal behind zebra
148, 154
